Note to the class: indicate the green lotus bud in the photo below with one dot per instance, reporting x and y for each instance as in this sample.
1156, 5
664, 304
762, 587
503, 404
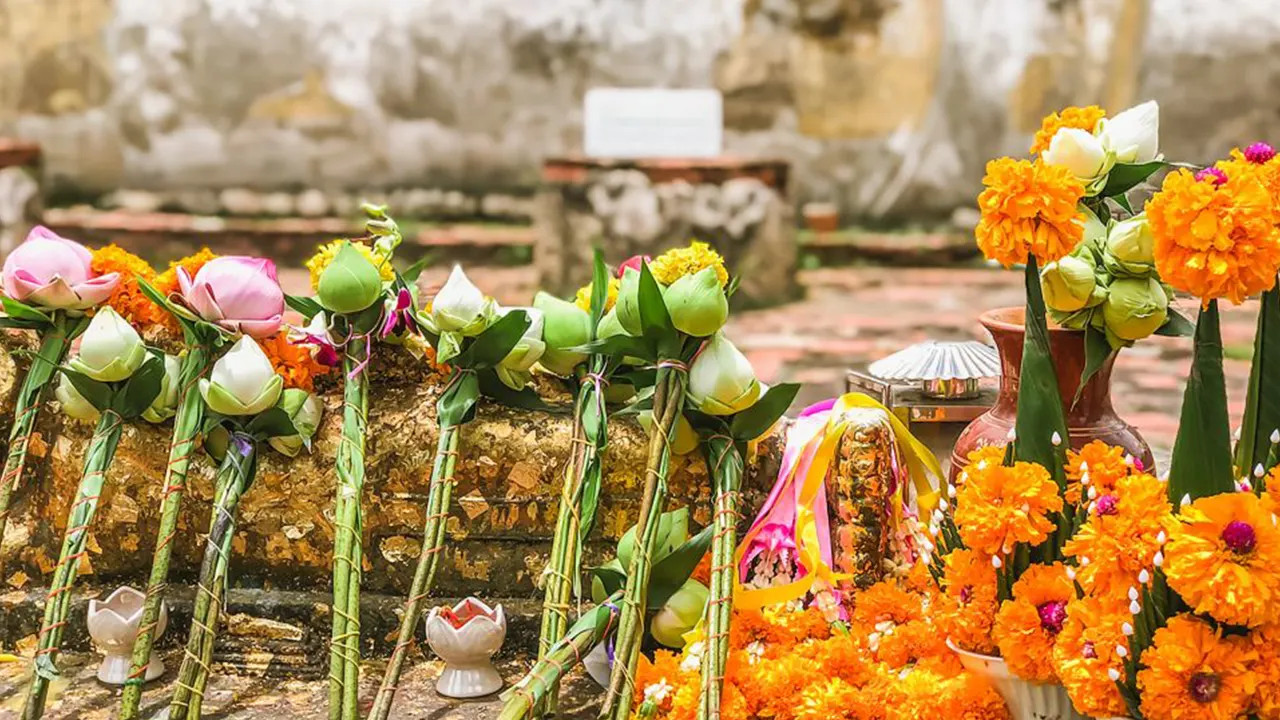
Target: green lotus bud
1135, 308
166, 403
350, 284
1068, 284
242, 381
686, 439
680, 614
1131, 247
721, 380
565, 325
111, 350
304, 410
73, 403
697, 304
673, 531
628, 304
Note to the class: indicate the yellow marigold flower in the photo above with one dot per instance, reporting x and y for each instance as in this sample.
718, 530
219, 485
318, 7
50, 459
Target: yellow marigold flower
325, 255
293, 363
1223, 558
1191, 673
1028, 625
1029, 207
678, 262
999, 507
966, 610
1215, 233
1122, 534
1085, 652
1265, 643
1105, 466
1080, 118
583, 298
127, 298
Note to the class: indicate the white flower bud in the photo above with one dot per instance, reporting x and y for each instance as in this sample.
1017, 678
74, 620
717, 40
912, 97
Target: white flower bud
110, 350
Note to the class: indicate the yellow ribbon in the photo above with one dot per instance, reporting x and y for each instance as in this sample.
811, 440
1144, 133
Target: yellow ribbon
920, 461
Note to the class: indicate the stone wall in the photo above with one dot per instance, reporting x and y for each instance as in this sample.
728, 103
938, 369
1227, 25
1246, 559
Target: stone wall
886, 107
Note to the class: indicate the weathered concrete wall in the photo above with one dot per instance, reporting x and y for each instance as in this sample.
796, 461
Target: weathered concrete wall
883, 106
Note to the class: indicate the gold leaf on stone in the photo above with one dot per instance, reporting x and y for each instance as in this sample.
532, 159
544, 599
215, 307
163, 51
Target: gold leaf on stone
524, 475
473, 504
19, 579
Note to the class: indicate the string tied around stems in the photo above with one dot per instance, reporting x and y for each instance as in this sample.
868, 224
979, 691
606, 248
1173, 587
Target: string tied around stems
677, 365
598, 379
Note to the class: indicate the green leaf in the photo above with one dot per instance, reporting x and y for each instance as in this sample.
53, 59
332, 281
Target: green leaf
671, 572
458, 401
98, 394
757, 419
273, 422
1040, 411
655, 321
1201, 462
1262, 402
414, 271
612, 579
1124, 177
1123, 201
494, 344
306, 306
1097, 350
140, 390
22, 311
1176, 326
599, 288
618, 346
590, 502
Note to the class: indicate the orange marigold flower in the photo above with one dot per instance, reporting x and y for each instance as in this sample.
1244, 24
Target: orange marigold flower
1267, 172
1029, 207
702, 573
1104, 465
886, 602
832, 699
1223, 558
982, 456
900, 646
966, 610
1122, 534
292, 362
1215, 239
167, 281
1028, 625
1272, 495
1085, 652
1265, 643
1080, 118
1191, 672
127, 298
999, 507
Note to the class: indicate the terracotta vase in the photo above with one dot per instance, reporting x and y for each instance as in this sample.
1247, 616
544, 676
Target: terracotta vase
1092, 418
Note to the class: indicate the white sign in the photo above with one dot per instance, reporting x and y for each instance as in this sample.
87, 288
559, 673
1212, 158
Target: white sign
652, 123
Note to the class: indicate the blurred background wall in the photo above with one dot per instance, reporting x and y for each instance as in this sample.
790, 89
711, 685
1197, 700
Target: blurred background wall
888, 108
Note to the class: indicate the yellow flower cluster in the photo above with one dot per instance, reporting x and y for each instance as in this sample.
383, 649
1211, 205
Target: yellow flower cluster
127, 298
678, 262
1080, 118
583, 297
325, 255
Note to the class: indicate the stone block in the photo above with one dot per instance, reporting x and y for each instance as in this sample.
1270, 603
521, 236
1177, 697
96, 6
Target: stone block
20, 198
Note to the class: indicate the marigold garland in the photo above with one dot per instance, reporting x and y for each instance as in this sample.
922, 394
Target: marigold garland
1223, 558
1029, 207
1080, 118
999, 506
1215, 239
678, 262
127, 299
1192, 672
292, 362
1028, 626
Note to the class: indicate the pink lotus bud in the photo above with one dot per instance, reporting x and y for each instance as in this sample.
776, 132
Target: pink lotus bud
633, 263
238, 293
54, 272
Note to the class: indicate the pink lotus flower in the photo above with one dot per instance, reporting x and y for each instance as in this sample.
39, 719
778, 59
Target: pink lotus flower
55, 272
238, 293
633, 263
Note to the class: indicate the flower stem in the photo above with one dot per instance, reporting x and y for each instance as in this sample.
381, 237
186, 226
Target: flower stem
186, 431
442, 482
53, 348
344, 648
235, 475
534, 690
667, 400
726, 465
102, 448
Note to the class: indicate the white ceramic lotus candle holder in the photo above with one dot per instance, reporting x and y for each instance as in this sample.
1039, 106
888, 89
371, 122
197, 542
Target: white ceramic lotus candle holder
466, 637
113, 625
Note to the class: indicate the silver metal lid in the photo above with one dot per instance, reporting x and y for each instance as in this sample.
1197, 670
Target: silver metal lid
933, 360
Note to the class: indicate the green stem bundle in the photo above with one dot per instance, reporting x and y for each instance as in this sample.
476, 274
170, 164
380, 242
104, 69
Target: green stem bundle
102, 448
668, 398
538, 686
344, 648
186, 431
441, 493
235, 475
726, 466
54, 343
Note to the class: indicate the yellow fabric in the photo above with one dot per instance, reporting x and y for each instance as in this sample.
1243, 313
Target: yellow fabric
920, 461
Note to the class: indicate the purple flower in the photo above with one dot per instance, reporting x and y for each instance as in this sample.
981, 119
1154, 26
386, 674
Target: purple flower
399, 314
1213, 175
1052, 616
1240, 537
1259, 153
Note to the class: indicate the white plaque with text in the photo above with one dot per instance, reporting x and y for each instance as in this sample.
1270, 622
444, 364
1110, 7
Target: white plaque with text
652, 123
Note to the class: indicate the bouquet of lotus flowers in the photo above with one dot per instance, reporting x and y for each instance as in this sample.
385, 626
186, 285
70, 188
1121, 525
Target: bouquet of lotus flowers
246, 405
114, 378
490, 351
676, 603
49, 284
